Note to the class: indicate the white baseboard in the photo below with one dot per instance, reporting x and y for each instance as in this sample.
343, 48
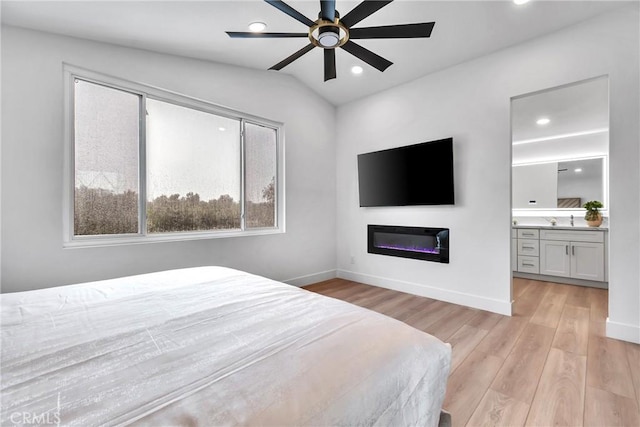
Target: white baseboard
623, 331
311, 278
469, 300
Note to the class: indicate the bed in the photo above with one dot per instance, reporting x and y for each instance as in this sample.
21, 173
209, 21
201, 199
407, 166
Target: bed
212, 346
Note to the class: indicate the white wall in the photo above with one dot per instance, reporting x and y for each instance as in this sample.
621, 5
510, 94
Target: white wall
470, 102
536, 184
586, 188
32, 162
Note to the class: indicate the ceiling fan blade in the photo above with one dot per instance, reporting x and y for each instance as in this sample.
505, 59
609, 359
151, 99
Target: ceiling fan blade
363, 10
283, 7
367, 56
329, 64
280, 65
249, 35
406, 31
328, 9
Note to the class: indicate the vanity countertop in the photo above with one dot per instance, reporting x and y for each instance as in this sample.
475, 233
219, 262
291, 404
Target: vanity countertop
562, 227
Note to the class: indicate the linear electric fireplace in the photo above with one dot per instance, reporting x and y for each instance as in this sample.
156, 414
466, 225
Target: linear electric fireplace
429, 244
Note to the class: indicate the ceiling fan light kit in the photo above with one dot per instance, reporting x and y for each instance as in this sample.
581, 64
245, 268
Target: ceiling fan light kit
330, 32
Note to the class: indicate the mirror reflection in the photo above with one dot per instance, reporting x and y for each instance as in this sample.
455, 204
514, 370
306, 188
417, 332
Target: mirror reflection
560, 147
558, 185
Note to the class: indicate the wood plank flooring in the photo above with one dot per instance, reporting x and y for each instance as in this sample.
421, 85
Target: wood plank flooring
547, 365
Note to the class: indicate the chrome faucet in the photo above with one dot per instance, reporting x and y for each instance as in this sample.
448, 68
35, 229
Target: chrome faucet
571, 222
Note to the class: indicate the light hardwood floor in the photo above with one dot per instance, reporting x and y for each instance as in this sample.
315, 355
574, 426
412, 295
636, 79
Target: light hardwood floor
549, 364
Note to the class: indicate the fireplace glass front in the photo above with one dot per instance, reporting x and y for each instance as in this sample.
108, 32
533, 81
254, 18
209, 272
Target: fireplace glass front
424, 243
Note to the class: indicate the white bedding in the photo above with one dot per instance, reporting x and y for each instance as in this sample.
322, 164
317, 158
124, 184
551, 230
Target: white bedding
212, 346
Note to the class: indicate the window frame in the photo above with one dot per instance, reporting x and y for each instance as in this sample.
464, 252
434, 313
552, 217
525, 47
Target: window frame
71, 73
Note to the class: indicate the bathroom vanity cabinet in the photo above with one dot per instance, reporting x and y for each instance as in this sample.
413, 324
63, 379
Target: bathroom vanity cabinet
561, 254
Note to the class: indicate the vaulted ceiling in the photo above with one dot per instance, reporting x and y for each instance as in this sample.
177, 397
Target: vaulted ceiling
464, 30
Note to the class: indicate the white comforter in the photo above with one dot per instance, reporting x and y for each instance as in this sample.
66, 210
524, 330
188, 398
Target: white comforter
212, 346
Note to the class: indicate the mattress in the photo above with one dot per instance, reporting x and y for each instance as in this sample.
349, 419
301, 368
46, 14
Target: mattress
211, 346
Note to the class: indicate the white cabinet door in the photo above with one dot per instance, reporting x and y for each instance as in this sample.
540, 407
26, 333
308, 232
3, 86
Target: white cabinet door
587, 261
514, 254
555, 259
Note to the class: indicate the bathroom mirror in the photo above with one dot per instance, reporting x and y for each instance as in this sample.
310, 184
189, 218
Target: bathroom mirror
560, 146
565, 184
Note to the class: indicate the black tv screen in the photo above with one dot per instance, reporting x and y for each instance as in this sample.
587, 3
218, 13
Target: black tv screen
420, 174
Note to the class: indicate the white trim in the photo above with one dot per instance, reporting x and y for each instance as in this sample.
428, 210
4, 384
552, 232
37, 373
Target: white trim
623, 331
281, 194
243, 175
469, 300
182, 236
142, 167
161, 94
68, 184
312, 278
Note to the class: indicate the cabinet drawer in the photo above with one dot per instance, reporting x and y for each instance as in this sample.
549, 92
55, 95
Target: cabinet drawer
528, 233
573, 235
529, 264
528, 247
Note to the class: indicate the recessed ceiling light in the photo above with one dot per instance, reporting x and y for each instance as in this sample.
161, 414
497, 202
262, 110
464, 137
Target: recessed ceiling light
519, 2
543, 121
577, 170
256, 27
356, 69
221, 129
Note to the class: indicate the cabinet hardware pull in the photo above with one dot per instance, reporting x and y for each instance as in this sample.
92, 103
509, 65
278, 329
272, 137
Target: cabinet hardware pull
528, 265
528, 247
573, 250
566, 250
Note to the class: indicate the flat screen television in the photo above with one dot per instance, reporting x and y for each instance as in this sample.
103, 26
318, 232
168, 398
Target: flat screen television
419, 174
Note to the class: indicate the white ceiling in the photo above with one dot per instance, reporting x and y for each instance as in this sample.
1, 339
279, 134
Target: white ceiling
572, 110
464, 30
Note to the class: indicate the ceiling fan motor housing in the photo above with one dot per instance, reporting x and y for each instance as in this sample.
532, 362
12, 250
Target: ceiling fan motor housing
328, 34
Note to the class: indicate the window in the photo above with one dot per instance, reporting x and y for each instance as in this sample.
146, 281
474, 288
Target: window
193, 170
106, 160
146, 164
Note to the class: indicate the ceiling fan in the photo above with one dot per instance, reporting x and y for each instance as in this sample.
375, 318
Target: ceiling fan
330, 31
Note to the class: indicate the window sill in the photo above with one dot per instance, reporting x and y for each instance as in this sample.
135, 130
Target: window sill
100, 241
